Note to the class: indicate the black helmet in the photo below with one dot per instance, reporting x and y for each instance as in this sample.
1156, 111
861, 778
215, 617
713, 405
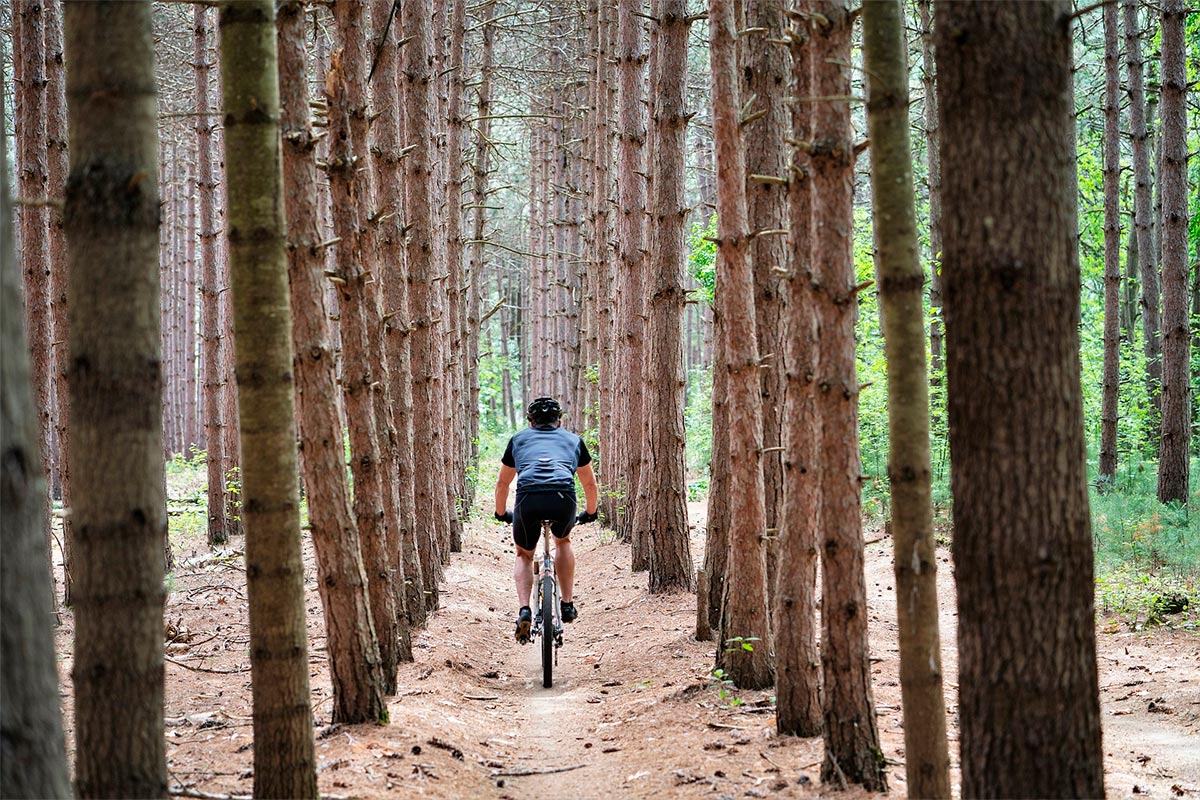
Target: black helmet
543, 411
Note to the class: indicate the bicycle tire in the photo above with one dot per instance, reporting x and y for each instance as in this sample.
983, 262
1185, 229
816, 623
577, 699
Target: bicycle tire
547, 632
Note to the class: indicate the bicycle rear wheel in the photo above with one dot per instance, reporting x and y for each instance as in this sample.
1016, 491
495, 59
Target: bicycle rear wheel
547, 632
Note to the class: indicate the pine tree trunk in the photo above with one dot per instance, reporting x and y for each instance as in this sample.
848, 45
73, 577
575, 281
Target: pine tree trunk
797, 660
716, 536
366, 466
480, 169
1030, 716
1112, 249
56, 139
852, 751
1129, 297
1142, 205
901, 282
284, 764
764, 70
664, 477
390, 266
355, 668
933, 165
429, 467
112, 219
29, 63
33, 760
456, 433
745, 652
210, 312
1176, 423
631, 202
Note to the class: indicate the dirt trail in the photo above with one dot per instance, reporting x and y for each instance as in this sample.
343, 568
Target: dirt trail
633, 710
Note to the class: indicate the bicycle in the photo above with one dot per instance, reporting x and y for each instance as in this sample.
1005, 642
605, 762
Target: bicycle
547, 609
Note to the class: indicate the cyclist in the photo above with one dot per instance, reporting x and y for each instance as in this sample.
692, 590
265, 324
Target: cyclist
545, 458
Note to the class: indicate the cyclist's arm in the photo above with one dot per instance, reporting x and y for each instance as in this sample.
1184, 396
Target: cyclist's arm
587, 478
505, 480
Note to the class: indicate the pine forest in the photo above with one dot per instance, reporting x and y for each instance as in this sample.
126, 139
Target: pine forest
599, 398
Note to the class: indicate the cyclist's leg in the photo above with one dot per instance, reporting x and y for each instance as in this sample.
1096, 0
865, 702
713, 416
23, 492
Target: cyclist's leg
564, 554
564, 567
526, 532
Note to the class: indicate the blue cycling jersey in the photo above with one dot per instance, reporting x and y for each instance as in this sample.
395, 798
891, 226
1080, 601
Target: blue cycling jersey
545, 458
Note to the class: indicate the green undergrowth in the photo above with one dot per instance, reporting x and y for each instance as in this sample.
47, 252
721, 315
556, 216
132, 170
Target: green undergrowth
1147, 552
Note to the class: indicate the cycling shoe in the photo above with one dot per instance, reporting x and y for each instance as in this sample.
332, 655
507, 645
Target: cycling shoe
524, 623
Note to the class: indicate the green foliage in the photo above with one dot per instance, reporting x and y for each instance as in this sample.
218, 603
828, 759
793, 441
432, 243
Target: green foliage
702, 258
1147, 553
725, 687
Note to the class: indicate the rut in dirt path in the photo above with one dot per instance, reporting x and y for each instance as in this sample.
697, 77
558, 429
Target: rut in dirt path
545, 729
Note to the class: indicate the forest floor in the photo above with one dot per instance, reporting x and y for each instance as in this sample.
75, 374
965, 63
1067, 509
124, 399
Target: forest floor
634, 711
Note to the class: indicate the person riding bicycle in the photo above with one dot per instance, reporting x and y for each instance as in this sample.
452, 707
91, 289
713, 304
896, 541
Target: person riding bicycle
545, 458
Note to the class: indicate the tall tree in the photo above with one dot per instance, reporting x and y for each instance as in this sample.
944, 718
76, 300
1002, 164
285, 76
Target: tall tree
112, 220
1112, 247
1143, 203
429, 466
764, 76
797, 660
933, 172
33, 759
368, 470
901, 281
355, 668
852, 750
29, 63
631, 251
210, 313
284, 762
666, 509
745, 608
1176, 404
390, 265
57, 161
1030, 716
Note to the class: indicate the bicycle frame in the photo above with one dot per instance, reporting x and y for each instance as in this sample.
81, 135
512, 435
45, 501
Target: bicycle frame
547, 586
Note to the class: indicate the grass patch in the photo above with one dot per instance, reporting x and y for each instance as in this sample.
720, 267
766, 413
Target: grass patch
1147, 552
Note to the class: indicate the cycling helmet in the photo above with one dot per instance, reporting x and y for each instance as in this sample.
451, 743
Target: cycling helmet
544, 411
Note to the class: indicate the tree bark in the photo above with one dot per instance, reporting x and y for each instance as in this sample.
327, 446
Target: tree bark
1112, 249
59, 167
480, 169
1030, 716
933, 166
764, 70
390, 266
349, 275
429, 466
852, 751
902, 312
456, 438
210, 312
111, 217
631, 247
745, 650
665, 480
797, 660
1176, 405
355, 668
29, 62
33, 760
284, 763
1143, 205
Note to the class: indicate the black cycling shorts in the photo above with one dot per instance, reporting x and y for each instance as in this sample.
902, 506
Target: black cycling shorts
533, 507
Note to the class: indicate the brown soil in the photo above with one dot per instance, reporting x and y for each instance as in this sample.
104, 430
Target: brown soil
633, 712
